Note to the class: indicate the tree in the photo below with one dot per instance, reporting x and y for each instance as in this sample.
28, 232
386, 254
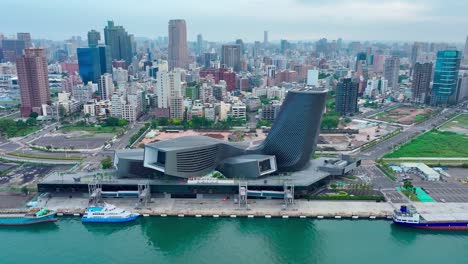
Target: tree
24, 190
112, 121
87, 116
408, 185
62, 111
34, 115
31, 121
330, 120
106, 163
122, 122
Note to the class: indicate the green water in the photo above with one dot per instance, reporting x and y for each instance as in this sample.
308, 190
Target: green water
223, 240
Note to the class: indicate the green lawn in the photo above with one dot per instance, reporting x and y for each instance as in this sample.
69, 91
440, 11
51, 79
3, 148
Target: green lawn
45, 157
434, 144
27, 130
460, 121
93, 129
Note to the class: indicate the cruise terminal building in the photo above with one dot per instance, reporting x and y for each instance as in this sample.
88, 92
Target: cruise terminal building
178, 166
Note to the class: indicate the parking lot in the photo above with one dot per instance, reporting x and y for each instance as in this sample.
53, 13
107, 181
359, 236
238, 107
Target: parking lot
450, 193
19, 175
394, 196
75, 140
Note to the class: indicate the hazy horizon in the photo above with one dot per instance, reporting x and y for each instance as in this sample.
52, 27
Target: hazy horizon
384, 20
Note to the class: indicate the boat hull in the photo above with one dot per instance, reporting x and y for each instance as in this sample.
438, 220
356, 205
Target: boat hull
437, 226
133, 217
23, 220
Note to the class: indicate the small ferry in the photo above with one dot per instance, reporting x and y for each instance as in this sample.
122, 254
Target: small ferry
408, 216
34, 216
107, 214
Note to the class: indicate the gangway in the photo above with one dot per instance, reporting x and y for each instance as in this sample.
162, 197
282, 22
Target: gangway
95, 193
243, 190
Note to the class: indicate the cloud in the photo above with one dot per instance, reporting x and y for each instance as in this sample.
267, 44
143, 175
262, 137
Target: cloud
225, 20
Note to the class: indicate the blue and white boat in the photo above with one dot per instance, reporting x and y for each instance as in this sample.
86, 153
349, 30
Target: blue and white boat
108, 214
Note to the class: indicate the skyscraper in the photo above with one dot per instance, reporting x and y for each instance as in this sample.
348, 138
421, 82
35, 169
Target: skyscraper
346, 96
119, 41
415, 53
422, 73
105, 59
445, 76
265, 37
26, 37
391, 72
89, 64
465, 54
177, 49
33, 80
230, 56
93, 38
199, 44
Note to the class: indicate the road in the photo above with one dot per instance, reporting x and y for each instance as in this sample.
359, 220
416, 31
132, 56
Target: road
386, 146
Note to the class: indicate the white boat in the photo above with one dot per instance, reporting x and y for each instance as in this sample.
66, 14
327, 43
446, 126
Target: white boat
108, 214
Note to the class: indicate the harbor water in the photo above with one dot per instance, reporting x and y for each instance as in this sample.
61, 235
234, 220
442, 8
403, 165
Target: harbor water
226, 240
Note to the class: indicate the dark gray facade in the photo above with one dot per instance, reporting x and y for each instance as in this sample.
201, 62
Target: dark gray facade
293, 137
422, 76
346, 96
288, 147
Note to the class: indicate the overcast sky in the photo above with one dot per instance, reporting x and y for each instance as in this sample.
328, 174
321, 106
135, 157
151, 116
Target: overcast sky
227, 20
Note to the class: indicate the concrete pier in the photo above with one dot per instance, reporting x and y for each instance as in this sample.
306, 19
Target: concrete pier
257, 208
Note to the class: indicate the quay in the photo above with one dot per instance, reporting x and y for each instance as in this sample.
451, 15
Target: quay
260, 208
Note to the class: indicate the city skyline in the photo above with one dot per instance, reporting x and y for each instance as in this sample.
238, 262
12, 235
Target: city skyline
304, 20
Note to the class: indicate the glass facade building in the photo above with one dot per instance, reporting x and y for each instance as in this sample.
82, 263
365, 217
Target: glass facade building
445, 76
89, 64
105, 59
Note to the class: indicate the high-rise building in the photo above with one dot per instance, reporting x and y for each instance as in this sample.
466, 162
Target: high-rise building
168, 85
346, 96
265, 37
422, 73
361, 66
241, 43
105, 59
199, 44
26, 37
391, 72
208, 59
89, 64
465, 54
117, 104
415, 53
93, 38
284, 46
445, 76
119, 42
230, 56
106, 86
12, 49
33, 80
177, 49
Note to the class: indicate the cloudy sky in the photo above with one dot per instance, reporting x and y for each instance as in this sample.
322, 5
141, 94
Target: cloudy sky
226, 20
